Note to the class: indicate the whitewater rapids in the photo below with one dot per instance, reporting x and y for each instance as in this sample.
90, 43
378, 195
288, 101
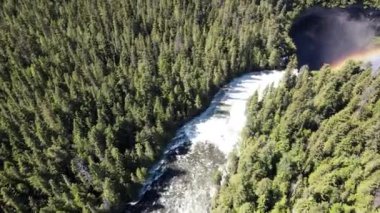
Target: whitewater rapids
182, 180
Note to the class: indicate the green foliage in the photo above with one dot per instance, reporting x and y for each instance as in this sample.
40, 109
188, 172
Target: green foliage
92, 90
317, 151
217, 176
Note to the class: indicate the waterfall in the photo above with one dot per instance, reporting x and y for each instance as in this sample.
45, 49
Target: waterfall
182, 180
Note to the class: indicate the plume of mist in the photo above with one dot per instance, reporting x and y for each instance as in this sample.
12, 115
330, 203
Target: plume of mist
327, 35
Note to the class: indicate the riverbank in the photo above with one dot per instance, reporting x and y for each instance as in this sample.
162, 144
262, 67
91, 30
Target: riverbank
182, 180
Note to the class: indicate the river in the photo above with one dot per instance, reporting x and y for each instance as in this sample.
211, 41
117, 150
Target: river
182, 180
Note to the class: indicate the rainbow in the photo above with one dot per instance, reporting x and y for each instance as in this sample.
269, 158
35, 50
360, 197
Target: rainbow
369, 55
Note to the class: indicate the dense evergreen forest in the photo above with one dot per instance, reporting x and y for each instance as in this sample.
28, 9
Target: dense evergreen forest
310, 145
91, 91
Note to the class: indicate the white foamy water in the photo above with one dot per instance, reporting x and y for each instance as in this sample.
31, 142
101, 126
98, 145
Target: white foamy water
188, 185
224, 130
